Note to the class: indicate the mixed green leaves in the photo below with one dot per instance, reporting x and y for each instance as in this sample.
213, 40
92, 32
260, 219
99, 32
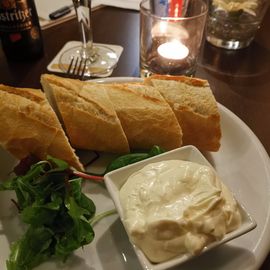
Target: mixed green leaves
58, 214
50, 201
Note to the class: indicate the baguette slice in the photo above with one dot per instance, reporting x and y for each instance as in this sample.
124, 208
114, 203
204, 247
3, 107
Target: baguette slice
195, 108
87, 113
146, 117
28, 125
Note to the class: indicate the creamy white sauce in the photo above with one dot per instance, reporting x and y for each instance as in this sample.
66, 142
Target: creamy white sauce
175, 207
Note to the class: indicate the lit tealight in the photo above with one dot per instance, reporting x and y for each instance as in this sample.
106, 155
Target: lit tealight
173, 50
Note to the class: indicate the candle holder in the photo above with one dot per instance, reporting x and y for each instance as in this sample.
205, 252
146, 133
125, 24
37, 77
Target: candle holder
232, 24
171, 35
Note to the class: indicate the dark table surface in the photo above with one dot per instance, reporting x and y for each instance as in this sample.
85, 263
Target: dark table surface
240, 80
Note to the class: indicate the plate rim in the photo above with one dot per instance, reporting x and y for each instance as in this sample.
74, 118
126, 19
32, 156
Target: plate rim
265, 245
261, 251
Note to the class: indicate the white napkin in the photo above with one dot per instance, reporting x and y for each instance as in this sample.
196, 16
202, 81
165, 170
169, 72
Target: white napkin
45, 7
129, 4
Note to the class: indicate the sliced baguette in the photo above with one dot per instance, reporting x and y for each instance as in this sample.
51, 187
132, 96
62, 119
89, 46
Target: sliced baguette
195, 108
87, 113
146, 117
28, 125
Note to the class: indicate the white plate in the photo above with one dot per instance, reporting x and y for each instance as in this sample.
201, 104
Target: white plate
243, 165
116, 179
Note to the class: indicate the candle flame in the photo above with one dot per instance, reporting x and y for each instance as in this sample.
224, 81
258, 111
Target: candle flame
173, 50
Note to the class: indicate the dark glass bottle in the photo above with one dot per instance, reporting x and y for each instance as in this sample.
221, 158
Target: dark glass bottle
20, 30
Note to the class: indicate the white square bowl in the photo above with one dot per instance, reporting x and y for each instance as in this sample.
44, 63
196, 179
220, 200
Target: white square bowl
115, 180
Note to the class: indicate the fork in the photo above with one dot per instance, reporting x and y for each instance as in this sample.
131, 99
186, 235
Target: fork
76, 69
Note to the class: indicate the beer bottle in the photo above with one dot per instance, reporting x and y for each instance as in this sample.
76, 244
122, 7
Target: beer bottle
20, 30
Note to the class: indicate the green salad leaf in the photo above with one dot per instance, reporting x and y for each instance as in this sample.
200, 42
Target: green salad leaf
50, 201
31, 250
132, 158
59, 215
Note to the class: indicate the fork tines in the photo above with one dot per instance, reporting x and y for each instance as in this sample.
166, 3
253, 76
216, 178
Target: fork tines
76, 68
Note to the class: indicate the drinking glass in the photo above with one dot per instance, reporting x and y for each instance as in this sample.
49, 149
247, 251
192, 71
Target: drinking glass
99, 59
171, 34
232, 24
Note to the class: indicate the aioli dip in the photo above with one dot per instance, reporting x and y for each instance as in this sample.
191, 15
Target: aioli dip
175, 207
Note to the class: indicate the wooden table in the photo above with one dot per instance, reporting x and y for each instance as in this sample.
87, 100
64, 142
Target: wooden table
240, 79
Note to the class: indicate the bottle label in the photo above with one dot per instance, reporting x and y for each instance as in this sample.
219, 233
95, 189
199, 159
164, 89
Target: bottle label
14, 37
15, 16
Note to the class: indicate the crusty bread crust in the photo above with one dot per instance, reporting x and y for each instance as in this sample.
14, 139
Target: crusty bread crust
184, 79
145, 116
88, 115
28, 125
108, 117
195, 108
